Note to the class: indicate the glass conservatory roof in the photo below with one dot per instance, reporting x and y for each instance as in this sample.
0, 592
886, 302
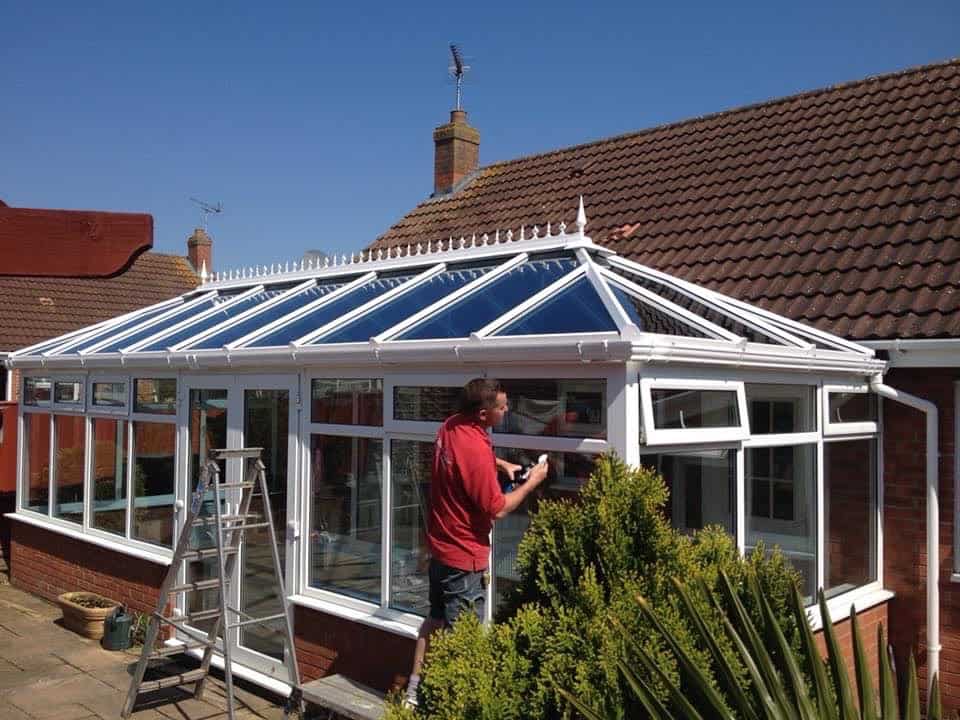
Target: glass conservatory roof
487, 289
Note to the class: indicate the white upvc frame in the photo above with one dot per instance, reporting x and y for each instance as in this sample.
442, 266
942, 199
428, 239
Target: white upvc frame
654, 436
68, 407
41, 404
831, 428
94, 378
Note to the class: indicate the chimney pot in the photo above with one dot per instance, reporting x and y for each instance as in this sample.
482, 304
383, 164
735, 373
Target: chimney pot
200, 250
456, 152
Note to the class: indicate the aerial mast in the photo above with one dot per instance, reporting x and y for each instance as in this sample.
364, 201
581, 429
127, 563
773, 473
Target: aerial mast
457, 70
206, 210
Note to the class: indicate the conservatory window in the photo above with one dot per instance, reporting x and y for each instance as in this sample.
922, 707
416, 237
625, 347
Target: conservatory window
411, 462
109, 474
850, 509
155, 396
109, 395
702, 487
36, 391
781, 409
37, 462
70, 438
68, 394
345, 522
154, 455
565, 408
687, 411
425, 403
849, 410
341, 401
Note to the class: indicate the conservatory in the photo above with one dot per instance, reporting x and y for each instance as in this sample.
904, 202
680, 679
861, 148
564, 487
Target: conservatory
343, 370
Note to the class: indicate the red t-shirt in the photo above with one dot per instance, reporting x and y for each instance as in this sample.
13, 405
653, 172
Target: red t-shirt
465, 496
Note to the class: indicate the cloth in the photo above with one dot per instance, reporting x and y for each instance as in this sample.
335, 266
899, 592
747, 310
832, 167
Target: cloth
465, 495
454, 591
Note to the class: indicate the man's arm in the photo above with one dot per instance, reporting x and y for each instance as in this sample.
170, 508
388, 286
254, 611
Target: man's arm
514, 498
508, 467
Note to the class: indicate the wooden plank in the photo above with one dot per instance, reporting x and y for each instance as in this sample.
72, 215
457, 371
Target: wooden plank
345, 697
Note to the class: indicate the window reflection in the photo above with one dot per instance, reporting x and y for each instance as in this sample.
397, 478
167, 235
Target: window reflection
38, 462
565, 408
70, 433
109, 475
850, 505
411, 463
347, 401
154, 445
701, 485
686, 409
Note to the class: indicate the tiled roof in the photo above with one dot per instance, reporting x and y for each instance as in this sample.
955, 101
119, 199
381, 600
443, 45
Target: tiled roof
37, 308
839, 207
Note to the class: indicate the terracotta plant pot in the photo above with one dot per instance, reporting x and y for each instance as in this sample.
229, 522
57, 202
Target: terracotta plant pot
84, 612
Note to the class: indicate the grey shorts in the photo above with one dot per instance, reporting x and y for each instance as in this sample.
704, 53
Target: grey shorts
452, 591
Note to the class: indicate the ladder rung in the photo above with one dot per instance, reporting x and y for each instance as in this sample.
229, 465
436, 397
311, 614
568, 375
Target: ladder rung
213, 584
207, 553
212, 520
173, 681
239, 453
200, 615
169, 650
236, 485
256, 621
249, 526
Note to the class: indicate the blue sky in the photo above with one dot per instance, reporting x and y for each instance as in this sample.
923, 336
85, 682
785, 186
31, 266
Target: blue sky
311, 122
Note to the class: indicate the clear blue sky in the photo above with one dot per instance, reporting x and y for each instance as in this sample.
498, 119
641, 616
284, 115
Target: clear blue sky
311, 122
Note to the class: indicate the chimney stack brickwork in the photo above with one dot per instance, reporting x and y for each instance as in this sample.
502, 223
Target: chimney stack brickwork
456, 152
200, 250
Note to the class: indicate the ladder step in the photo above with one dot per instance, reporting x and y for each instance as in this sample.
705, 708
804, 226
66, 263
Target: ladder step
240, 453
213, 584
212, 520
173, 681
243, 485
248, 526
169, 650
207, 553
256, 621
193, 617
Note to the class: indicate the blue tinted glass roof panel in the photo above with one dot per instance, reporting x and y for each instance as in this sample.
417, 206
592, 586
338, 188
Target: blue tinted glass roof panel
219, 317
116, 329
267, 316
575, 309
145, 332
480, 308
402, 307
653, 320
325, 313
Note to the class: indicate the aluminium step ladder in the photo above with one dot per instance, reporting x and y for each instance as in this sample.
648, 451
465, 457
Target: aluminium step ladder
228, 531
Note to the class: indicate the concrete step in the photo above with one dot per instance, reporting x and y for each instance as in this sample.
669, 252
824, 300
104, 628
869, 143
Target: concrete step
345, 697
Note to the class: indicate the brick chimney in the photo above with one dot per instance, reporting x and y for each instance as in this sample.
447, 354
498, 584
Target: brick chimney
456, 152
200, 250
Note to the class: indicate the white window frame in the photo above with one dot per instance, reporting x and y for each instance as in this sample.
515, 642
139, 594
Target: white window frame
653, 436
68, 407
42, 404
147, 416
847, 428
92, 407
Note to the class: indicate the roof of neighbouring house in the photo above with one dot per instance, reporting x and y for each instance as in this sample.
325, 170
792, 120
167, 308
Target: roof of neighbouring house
838, 207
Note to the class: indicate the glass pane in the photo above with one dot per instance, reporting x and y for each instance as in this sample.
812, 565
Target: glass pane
493, 300
70, 434
37, 471
424, 403
687, 409
267, 316
701, 485
781, 408
347, 401
782, 497
337, 308
575, 309
36, 390
649, 319
852, 407
850, 489
207, 431
145, 332
118, 328
564, 408
411, 464
222, 315
110, 394
157, 396
110, 475
400, 308
266, 424
68, 392
154, 447
345, 515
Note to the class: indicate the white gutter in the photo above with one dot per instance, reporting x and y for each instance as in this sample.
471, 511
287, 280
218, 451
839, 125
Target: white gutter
933, 518
937, 352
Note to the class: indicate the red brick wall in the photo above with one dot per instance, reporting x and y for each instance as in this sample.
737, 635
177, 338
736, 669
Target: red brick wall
869, 621
905, 556
328, 645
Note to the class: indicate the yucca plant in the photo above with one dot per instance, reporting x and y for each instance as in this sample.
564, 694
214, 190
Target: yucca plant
777, 688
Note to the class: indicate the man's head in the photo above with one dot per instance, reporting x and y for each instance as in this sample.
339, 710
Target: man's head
484, 400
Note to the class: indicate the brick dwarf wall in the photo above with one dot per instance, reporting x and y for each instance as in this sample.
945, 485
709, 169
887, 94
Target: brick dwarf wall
904, 548
869, 621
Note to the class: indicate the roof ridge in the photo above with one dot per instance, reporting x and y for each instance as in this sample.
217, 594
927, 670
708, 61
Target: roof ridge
712, 116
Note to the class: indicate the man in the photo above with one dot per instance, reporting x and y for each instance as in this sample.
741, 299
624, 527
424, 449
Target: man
465, 499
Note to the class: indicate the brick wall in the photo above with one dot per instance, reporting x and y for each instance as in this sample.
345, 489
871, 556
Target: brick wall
869, 621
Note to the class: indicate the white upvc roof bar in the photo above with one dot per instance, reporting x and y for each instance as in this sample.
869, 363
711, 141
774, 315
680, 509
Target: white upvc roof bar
376, 302
155, 320
300, 312
166, 332
245, 315
621, 319
453, 297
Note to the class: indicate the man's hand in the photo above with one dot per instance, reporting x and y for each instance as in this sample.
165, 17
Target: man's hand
537, 474
514, 498
508, 467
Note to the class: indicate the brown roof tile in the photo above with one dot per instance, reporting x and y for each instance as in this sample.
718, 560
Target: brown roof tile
840, 207
37, 308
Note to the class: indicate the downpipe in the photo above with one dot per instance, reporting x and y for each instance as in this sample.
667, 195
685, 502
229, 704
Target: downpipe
933, 518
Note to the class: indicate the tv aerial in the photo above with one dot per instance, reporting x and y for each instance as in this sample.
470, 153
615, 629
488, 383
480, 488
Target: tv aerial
206, 210
457, 70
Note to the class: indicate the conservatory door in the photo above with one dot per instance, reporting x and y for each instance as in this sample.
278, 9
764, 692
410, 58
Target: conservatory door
234, 412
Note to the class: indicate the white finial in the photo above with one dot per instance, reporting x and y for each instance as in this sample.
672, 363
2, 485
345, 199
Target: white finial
473, 240
522, 231
581, 218
548, 228
563, 228
419, 248
463, 242
343, 259
203, 271
536, 231
408, 249
496, 237
509, 236
485, 239
379, 253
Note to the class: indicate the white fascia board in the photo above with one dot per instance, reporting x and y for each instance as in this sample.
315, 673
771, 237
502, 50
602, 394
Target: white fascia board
166, 332
711, 298
941, 352
621, 319
453, 297
358, 312
245, 315
531, 302
300, 312
673, 310
155, 320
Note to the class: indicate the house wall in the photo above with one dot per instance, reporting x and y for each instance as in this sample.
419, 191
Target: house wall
905, 556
